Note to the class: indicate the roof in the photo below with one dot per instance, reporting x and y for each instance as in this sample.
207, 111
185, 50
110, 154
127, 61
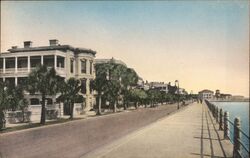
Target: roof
206, 91
101, 61
56, 47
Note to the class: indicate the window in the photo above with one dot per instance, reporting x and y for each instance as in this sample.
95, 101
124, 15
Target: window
34, 101
48, 60
10, 63
60, 61
72, 65
22, 62
83, 66
35, 61
83, 86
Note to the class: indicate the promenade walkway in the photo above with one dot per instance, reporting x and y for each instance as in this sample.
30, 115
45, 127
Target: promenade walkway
191, 132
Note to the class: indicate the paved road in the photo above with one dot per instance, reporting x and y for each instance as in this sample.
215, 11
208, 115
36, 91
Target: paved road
76, 138
188, 133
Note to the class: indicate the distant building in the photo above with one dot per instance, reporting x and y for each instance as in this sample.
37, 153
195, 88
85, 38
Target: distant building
101, 61
172, 89
221, 96
226, 96
161, 86
238, 98
182, 91
206, 94
217, 94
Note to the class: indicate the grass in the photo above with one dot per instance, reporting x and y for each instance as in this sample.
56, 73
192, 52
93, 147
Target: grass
34, 125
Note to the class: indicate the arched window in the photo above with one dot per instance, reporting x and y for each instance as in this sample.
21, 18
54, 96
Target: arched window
34, 101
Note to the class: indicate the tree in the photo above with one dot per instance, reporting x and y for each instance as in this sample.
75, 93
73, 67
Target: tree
70, 93
153, 95
11, 98
169, 98
43, 81
100, 82
137, 96
112, 83
17, 99
162, 96
4, 103
115, 80
129, 79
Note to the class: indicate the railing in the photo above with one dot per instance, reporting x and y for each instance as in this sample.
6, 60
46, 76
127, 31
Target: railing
9, 70
224, 124
13, 70
60, 70
22, 70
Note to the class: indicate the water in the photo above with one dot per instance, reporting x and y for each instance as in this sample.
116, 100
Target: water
237, 109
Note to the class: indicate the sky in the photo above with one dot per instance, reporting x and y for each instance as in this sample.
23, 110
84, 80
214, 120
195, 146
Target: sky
203, 44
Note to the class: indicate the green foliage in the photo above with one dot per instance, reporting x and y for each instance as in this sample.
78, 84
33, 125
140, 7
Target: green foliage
137, 95
153, 94
113, 80
11, 98
3, 96
69, 93
44, 81
16, 98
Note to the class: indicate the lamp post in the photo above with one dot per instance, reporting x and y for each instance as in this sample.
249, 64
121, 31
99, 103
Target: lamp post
178, 93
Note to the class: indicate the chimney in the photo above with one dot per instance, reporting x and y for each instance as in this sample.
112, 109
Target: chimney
27, 44
53, 42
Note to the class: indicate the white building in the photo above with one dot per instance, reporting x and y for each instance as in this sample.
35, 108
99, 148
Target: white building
206, 94
161, 86
68, 61
181, 91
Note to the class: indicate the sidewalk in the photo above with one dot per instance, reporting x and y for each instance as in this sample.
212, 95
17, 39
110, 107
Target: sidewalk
191, 132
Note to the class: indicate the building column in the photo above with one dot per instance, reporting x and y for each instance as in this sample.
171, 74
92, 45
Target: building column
15, 64
3, 65
15, 81
87, 101
79, 66
41, 59
55, 61
3, 79
87, 86
28, 63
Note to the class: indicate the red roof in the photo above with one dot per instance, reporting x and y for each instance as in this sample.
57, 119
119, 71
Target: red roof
206, 91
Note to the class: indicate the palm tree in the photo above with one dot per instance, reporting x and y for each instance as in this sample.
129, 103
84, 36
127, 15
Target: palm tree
69, 93
43, 81
99, 83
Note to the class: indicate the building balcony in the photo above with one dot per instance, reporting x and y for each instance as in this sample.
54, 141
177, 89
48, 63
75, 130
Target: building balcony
60, 71
22, 70
9, 70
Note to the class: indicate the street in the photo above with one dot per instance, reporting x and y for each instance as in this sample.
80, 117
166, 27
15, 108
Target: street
77, 138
